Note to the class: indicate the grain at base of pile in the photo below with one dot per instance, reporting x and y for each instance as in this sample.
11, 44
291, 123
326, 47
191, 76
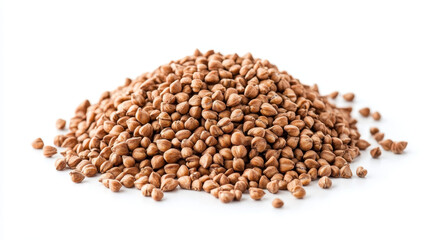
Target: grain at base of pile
299, 192
398, 147
115, 185
374, 130
325, 182
37, 143
157, 194
378, 136
365, 111
76, 176
349, 97
277, 203
60, 124
375, 152
361, 172
224, 124
376, 116
49, 151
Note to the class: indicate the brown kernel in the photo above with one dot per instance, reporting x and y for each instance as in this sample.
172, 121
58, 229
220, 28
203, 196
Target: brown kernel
349, 97
268, 109
376, 116
76, 176
114, 185
277, 203
299, 192
375, 152
334, 95
398, 147
325, 182
215, 192
374, 130
128, 181
273, 187
169, 185
256, 193
60, 164
335, 171
196, 185
365, 112
237, 194
172, 155
139, 183
378, 136
305, 179
210, 185
157, 194
292, 185
386, 144
163, 144
89, 170
60, 124
49, 151
324, 170
346, 172
361, 172
37, 143
206, 160
147, 190
362, 144
226, 196
185, 182
105, 182
105, 176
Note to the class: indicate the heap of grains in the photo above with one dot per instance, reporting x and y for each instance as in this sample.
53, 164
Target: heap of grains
223, 124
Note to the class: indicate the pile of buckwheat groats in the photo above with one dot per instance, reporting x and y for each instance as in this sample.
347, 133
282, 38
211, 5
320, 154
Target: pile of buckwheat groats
222, 124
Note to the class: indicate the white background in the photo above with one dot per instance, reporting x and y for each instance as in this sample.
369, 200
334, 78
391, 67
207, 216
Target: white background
57, 53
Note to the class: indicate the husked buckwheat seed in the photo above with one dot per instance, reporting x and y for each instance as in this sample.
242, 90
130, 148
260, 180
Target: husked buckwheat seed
273, 187
37, 143
334, 95
375, 152
49, 151
365, 111
325, 170
325, 182
346, 172
60, 164
386, 144
105, 176
376, 116
294, 184
362, 144
361, 172
157, 194
226, 196
398, 147
305, 179
139, 183
277, 203
222, 124
147, 189
61, 123
349, 97
256, 193
237, 194
374, 130
114, 185
299, 192
76, 176
378, 136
